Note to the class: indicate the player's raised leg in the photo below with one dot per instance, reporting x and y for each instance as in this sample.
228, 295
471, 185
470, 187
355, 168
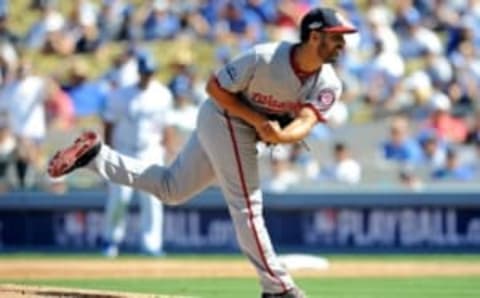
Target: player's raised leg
77, 155
190, 173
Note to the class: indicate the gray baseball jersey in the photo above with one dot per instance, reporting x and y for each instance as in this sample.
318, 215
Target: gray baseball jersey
223, 148
266, 79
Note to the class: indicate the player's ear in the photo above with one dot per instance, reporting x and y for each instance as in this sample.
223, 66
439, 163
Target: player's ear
315, 36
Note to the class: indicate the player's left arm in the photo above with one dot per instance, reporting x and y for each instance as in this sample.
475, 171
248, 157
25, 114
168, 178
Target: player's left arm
295, 131
317, 108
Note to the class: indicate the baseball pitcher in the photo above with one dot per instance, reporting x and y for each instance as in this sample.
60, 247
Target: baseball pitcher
249, 97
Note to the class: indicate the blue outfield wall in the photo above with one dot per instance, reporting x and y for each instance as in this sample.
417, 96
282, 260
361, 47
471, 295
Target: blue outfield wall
298, 222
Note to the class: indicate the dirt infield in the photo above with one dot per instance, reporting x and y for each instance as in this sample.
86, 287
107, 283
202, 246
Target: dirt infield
21, 291
159, 268
92, 269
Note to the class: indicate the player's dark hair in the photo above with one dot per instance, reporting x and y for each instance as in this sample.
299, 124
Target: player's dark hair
304, 35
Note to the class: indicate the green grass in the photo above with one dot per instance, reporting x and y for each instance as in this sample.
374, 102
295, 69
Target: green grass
455, 287
333, 257
321, 287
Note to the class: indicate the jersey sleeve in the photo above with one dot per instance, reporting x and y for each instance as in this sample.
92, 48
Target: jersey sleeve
322, 102
235, 75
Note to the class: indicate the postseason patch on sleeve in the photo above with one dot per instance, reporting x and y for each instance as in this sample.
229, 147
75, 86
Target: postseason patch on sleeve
231, 71
236, 75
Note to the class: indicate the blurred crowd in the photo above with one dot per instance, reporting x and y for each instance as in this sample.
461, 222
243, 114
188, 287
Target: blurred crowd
413, 68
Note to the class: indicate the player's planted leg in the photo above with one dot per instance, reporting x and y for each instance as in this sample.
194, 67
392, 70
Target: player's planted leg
232, 151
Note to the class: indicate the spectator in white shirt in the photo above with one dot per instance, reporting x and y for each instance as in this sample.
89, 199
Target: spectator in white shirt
345, 169
180, 121
283, 174
24, 99
47, 31
124, 70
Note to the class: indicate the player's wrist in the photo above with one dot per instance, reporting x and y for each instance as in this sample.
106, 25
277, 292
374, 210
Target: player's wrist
256, 120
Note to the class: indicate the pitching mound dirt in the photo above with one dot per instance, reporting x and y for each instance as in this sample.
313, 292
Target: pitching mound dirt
21, 291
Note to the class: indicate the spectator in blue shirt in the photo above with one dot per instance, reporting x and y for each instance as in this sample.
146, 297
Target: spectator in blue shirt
417, 38
266, 10
401, 147
161, 23
434, 151
88, 97
113, 20
454, 169
208, 9
238, 25
4, 7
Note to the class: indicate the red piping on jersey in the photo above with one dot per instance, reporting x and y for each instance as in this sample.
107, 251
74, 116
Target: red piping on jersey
215, 79
320, 117
248, 203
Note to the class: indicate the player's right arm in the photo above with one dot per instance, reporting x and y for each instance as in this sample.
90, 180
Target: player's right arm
229, 101
231, 79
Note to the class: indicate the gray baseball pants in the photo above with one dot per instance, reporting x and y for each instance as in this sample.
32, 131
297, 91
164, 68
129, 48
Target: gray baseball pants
222, 149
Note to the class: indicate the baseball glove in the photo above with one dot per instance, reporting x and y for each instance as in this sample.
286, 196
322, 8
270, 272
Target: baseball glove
284, 119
